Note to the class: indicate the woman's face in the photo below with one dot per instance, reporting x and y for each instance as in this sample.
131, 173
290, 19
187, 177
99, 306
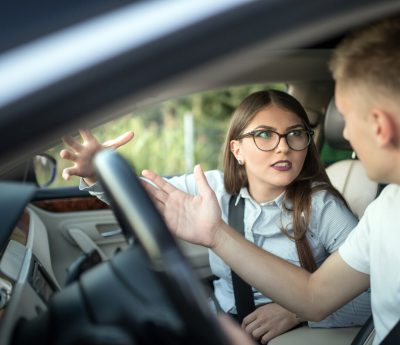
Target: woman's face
269, 172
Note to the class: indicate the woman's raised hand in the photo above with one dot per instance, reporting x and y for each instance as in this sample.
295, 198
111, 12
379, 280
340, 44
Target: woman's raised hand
196, 219
82, 154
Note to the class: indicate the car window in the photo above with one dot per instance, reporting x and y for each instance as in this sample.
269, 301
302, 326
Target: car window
173, 136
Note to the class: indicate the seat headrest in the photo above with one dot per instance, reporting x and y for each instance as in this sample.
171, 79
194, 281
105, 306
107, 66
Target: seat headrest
333, 128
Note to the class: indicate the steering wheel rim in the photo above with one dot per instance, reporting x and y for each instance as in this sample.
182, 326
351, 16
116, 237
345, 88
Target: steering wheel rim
138, 216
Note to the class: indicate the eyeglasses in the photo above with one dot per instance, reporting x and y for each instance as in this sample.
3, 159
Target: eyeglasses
268, 140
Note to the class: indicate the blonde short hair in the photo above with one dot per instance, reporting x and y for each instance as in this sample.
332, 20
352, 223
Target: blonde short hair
370, 57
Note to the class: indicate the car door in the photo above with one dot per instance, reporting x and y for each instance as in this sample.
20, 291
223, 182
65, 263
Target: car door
78, 223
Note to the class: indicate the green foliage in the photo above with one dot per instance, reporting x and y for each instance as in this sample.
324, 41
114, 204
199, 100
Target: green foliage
159, 133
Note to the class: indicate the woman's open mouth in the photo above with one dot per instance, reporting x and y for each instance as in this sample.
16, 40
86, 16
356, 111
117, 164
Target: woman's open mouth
282, 165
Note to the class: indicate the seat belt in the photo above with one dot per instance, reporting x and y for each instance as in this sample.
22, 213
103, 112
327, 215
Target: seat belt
366, 334
380, 188
242, 291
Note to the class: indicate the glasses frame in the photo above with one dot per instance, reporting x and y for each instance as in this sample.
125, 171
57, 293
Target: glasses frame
309, 132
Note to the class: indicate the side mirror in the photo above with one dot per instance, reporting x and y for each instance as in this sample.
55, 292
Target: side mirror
44, 167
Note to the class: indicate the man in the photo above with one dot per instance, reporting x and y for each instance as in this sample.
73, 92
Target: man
366, 68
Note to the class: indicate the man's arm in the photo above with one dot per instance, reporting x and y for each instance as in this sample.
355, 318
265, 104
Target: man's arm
311, 296
197, 219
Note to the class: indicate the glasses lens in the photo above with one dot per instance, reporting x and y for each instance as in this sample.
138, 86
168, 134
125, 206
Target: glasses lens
298, 140
266, 140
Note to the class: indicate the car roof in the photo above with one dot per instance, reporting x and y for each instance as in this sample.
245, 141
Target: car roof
104, 64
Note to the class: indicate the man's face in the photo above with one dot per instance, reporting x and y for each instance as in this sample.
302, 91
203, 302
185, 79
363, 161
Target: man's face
358, 130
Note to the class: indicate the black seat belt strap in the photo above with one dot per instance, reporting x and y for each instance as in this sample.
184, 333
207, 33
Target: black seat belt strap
242, 291
380, 188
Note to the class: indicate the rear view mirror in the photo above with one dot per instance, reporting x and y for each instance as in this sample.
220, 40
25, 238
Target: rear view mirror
44, 167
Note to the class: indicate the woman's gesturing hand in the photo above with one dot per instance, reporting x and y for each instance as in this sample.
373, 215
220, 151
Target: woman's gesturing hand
82, 154
196, 218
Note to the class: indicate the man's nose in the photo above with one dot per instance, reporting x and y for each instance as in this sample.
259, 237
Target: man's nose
344, 133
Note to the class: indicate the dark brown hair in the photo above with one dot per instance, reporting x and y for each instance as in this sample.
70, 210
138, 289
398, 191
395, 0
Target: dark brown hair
312, 177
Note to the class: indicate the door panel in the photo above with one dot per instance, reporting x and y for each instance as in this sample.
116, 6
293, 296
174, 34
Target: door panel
64, 249
77, 222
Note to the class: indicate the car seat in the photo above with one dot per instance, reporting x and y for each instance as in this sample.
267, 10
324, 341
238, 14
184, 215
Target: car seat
348, 176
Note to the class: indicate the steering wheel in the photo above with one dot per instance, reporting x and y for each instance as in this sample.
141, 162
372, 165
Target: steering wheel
146, 294
137, 215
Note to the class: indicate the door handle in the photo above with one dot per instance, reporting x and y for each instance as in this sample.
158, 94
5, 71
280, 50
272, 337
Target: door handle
111, 233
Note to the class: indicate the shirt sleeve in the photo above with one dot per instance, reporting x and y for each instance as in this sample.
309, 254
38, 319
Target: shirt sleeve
94, 189
334, 221
185, 183
355, 250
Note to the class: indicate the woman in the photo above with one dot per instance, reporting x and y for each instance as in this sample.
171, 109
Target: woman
290, 207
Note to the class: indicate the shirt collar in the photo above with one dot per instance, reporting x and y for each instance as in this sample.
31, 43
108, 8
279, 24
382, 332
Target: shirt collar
244, 193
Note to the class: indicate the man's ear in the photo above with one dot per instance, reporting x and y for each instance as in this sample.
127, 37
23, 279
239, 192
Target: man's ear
384, 127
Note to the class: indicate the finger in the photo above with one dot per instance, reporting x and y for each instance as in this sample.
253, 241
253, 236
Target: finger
201, 181
249, 319
235, 335
65, 154
260, 331
160, 206
148, 190
119, 141
68, 172
267, 337
159, 181
87, 135
155, 193
251, 327
65, 175
72, 143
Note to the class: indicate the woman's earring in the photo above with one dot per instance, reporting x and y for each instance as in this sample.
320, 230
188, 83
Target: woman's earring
240, 162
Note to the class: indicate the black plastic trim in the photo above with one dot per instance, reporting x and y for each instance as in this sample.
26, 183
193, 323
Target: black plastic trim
60, 193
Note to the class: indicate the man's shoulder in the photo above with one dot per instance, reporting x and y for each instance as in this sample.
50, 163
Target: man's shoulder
389, 195
391, 189
384, 208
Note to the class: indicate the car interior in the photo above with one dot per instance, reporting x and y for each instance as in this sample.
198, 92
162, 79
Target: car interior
74, 270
